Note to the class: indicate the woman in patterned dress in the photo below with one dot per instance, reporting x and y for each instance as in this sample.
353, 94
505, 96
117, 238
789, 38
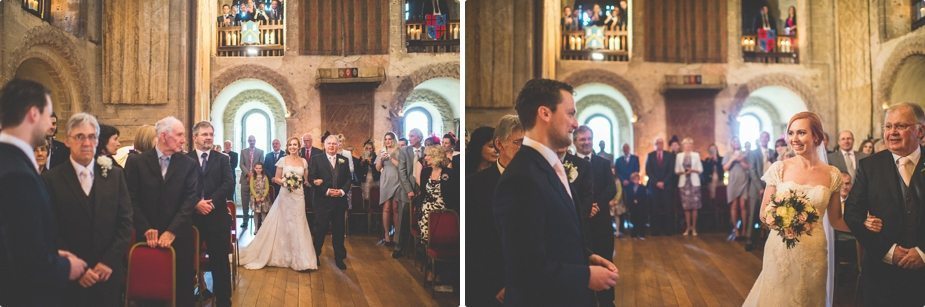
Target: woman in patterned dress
688, 168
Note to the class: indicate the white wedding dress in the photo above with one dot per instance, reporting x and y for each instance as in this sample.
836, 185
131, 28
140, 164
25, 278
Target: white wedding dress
284, 239
798, 276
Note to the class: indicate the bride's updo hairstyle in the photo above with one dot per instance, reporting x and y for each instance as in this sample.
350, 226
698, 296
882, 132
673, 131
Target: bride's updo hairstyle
815, 125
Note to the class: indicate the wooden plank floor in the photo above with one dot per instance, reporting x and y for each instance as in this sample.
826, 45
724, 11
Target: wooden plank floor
696, 271
372, 278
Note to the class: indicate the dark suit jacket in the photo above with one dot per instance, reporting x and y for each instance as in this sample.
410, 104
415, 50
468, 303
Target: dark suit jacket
96, 228
162, 204
659, 172
634, 199
269, 163
545, 262
624, 169
59, 153
483, 243
332, 178
604, 190
582, 193
756, 161
362, 168
877, 190
233, 162
31, 272
215, 184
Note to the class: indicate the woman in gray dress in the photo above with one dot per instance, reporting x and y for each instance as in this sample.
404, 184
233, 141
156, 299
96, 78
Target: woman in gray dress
389, 198
736, 166
688, 168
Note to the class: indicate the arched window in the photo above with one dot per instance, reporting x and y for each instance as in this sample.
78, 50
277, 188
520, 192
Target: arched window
418, 117
256, 122
750, 127
603, 131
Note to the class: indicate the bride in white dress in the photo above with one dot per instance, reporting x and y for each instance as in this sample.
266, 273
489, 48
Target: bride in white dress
284, 239
801, 276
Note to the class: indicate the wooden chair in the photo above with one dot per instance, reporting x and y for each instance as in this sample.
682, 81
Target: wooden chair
151, 274
443, 241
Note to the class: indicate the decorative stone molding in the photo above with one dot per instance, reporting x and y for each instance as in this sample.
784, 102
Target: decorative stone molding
794, 84
437, 101
623, 122
252, 71
277, 114
51, 45
911, 46
407, 84
609, 78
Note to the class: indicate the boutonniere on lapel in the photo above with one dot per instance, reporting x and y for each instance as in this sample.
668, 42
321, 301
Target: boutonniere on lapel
445, 177
340, 160
105, 165
570, 171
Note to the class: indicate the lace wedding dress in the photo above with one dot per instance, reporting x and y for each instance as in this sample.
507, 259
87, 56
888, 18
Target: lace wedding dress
284, 239
797, 276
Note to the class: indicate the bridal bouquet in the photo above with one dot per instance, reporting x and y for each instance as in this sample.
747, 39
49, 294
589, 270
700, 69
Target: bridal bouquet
292, 181
791, 214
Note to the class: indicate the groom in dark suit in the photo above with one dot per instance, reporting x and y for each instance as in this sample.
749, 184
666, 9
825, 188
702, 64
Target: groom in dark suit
163, 186
33, 271
212, 216
94, 214
330, 176
545, 261
891, 185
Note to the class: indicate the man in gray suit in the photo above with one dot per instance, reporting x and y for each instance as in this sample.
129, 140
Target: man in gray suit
249, 156
845, 158
407, 156
759, 160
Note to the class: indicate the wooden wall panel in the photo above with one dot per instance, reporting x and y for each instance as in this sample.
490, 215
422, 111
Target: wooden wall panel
686, 113
685, 31
136, 52
348, 27
348, 109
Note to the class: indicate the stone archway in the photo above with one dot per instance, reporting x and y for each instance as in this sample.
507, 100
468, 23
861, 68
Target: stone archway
438, 102
793, 84
609, 78
407, 84
907, 49
53, 48
252, 71
265, 99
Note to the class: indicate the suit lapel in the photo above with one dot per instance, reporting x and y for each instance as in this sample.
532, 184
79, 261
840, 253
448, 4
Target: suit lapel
917, 182
100, 187
154, 165
172, 167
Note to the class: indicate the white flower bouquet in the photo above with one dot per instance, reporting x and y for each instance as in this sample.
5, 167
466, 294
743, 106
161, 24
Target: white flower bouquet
292, 181
791, 215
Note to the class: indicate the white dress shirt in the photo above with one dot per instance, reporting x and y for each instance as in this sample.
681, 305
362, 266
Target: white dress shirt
914, 156
333, 161
199, 156
86, 181
553, 160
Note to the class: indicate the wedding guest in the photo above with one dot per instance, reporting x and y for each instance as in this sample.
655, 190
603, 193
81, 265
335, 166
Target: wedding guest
366, 169
485, 286
879, 145
402, 142
260, 191
228, 150
33, 270
867, 147
764, 21
108, 142
626, 165
689, 168
736, 164
103, 237
227, 18
624, 14
41, 155
569, 22
390, 192
163, 205
597, 15
309, 152
249, 156
331, 177
712, 171
783, 152
635, 198
144, 139
407, 162
341, 142
845, 158
57, 151
275, 13
440, 190
603, 154
660, 169
759, 160
449, 142
480, 152
613, 21
270, 169
260, 14
790, 24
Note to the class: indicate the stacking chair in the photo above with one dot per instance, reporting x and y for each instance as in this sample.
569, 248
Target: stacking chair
443, 241
151, 274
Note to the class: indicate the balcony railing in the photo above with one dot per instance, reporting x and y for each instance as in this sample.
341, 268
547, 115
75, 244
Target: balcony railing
418, 40
269, 40
40, 8
918, 13
783, 49
614, 48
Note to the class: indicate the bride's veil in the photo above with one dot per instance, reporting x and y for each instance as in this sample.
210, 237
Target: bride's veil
830, 240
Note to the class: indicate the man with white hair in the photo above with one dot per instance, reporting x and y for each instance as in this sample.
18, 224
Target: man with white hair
94, 214
162, 183
407, 156
330, 176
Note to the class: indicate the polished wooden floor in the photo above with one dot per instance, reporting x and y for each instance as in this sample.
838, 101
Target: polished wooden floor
372, 278
697, 271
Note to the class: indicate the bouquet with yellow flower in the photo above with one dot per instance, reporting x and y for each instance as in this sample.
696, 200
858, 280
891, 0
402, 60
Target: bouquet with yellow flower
791, 215
292, 181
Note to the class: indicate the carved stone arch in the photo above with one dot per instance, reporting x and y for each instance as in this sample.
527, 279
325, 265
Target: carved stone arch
438, 102
252, 71
609, 78
793, 84
277, 114
623, 122
55, 48
912, 46
407, 84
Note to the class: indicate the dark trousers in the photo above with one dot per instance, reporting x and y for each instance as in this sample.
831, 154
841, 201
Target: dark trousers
245, 202
330, 215
107, 293
639, 215
213, 230
602, 245
185, 274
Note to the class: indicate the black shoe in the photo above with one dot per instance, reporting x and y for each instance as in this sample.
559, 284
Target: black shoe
244, 225
396, 254
340, 264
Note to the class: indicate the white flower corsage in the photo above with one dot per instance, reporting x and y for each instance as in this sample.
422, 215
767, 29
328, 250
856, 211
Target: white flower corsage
340, 160
445, 177
105, 164
570, 171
